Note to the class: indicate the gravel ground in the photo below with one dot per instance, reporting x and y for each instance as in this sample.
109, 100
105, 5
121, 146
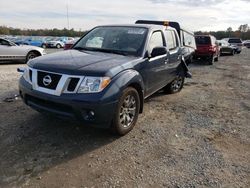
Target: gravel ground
199, 137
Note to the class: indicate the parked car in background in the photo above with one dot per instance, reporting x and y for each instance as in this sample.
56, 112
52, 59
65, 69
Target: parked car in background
104, 79
235, 42
70, 43
246, 43
58, 42
226, 48
9, 51
187, 39
55, 42
33, 41
207, 48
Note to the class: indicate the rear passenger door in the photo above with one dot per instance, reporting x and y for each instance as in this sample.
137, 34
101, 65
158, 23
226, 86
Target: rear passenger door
173, 45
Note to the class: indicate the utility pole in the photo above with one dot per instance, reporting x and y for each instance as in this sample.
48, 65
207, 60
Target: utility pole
68, 13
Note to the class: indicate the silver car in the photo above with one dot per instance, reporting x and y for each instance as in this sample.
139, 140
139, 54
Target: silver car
9, 51
235, 42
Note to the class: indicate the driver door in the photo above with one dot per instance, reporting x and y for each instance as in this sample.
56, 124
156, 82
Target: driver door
10, 51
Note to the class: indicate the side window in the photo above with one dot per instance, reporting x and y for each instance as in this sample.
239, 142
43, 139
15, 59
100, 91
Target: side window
4, 42
155, 40
189, 39
171, 40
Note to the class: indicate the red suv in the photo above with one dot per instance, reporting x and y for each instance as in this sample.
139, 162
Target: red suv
207, 48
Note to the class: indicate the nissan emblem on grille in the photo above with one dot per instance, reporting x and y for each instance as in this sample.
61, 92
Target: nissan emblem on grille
47, 80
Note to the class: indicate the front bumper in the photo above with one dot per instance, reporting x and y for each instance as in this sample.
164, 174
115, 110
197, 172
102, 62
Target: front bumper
70, 106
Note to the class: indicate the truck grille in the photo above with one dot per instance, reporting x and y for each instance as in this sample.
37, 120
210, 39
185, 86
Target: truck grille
72, 84
48, 80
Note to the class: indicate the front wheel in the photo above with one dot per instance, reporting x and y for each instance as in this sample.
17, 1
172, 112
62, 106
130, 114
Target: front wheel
43, 46
176, 85
127, 112
31, 55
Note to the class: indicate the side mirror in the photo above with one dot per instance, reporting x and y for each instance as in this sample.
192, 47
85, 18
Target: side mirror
157, 51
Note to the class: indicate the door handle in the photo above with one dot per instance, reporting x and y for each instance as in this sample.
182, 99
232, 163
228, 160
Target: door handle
166, 61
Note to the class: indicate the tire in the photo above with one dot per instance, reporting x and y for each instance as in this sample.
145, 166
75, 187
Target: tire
31, 55
58, 46
217, 58
127, 112
232, 53
211, 60
43, 46
175, 86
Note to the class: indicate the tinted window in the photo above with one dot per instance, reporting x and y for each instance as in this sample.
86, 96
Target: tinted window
224, 43
202, 40
129, 40
155, 40
234, 41
4, 42
171, 40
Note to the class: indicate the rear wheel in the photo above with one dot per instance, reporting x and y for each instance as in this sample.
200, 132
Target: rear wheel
232, 52
217, 57
211, 60
127, 112
176, 85
58, 46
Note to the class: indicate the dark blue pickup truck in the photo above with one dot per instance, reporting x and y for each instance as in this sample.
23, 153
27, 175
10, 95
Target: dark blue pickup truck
104, 79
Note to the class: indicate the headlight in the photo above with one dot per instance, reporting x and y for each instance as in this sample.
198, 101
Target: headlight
26, 75
93, 84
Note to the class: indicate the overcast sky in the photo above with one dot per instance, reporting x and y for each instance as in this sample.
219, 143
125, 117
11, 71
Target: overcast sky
205, 15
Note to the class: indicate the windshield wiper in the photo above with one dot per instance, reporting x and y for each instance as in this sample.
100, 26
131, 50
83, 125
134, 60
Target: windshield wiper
79, 48
108, 51
102, 50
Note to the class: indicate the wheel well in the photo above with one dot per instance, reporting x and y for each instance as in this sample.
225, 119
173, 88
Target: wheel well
140, 92
36, 52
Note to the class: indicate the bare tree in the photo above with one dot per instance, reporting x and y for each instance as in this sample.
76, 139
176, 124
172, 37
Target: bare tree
229, 30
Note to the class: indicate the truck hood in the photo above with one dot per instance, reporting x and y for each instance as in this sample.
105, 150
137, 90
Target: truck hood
89, 63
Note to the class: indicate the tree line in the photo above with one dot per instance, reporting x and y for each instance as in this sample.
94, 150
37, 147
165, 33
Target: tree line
243, 32
40, 32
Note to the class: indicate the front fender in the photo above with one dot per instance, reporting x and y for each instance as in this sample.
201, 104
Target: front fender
127, 78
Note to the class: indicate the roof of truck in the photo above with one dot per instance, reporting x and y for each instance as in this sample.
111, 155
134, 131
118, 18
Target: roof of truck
149, 26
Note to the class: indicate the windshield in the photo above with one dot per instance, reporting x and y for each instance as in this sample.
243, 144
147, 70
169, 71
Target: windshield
234, 41
121, 40
202, 40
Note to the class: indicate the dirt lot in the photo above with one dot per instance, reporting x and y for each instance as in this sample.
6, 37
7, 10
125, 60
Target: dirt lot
199, 137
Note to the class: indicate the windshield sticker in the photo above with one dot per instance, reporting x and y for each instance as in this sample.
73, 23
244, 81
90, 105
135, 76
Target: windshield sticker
136, 31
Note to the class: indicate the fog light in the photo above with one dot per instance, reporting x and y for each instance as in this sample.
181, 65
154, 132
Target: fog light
89, 115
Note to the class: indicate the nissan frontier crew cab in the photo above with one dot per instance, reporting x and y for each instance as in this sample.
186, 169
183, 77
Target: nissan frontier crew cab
104, 79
